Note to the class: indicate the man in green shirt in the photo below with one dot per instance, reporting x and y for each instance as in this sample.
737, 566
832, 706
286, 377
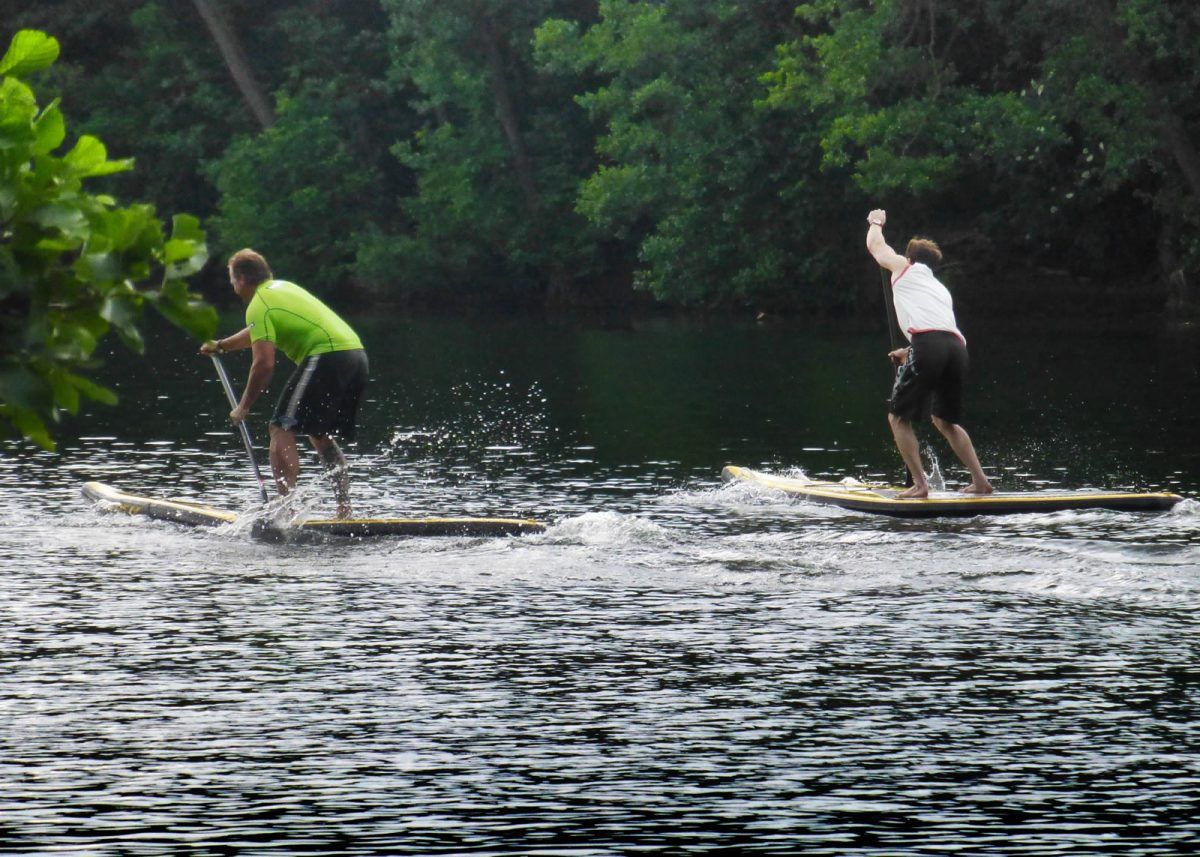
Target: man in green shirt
321, 398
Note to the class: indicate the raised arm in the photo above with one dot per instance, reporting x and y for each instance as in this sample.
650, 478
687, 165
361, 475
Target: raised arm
878, 247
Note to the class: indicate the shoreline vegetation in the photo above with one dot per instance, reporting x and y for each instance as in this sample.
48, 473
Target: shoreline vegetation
680, 156
706, 153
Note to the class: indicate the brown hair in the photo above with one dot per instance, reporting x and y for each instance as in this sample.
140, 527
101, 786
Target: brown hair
923, 250
250, 266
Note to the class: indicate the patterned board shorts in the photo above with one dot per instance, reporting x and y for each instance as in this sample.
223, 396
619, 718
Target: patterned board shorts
931, 379
322, 396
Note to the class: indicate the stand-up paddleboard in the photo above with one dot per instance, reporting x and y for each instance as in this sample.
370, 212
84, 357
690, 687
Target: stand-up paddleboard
196, 514
881, 499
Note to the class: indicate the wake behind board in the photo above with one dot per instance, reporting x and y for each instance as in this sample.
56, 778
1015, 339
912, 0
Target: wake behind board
196, 514
882, 500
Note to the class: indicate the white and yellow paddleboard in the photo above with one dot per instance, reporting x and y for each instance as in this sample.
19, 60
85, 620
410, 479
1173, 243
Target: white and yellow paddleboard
882, 499
196, 514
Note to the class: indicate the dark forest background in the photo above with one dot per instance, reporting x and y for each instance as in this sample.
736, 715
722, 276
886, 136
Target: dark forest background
704, 154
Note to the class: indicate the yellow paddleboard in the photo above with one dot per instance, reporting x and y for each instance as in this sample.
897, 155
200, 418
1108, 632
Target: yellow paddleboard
196, 514
882, 499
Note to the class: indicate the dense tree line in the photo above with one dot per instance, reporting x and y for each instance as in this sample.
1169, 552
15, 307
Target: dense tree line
706, 152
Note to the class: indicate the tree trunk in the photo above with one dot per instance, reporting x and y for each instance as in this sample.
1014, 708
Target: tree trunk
1179, 303
1179, 144
237, 62
1175, 139
506, 112
559, 280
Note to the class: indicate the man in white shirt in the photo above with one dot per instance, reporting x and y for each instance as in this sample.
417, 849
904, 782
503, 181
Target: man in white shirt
929, 381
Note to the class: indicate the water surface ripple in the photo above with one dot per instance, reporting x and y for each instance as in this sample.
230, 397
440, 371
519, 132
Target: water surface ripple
674, 666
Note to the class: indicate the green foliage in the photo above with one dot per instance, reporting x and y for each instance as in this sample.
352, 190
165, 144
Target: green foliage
317, 191
167, 100
499, 154
890, 107
716, 152
296, 193
28, 52
71, 260
1030, 122
692, 173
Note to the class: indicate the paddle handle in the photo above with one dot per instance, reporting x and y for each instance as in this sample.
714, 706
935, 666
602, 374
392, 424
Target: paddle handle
245, 432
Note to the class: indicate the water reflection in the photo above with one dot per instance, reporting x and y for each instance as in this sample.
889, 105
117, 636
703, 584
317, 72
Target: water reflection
674, 664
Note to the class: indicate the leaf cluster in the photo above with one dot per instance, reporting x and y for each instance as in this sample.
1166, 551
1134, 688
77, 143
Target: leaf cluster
72, 262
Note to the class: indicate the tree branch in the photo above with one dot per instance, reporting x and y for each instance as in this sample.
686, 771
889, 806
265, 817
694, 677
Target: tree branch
236, 61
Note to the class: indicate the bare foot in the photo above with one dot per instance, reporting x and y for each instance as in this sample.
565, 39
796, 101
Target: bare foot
916, 492
985, 488
343, 511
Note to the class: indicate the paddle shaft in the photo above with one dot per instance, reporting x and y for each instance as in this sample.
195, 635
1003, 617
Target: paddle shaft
889, 308
893, 325
245, 432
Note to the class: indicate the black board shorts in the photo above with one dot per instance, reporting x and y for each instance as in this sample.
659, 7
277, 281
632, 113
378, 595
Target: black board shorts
321, 398
931, 379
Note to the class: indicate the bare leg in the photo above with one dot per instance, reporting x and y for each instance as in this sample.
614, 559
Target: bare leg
285, 459
337, 469
910, 451
960, 442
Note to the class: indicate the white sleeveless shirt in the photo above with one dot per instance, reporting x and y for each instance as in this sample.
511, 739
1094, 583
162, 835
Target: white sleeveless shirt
923, 304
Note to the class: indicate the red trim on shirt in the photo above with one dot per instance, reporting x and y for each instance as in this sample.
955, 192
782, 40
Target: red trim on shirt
902, 273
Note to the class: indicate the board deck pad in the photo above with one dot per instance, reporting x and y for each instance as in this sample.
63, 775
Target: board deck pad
197, 514
882, 499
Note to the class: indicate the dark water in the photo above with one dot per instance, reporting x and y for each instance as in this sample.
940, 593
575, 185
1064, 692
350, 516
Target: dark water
676, 665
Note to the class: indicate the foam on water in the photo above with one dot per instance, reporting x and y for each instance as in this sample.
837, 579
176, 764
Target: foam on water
608, 528
673, 661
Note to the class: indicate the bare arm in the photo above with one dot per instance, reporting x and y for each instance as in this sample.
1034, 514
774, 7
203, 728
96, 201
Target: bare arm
261, 368
237, 342
878, 247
